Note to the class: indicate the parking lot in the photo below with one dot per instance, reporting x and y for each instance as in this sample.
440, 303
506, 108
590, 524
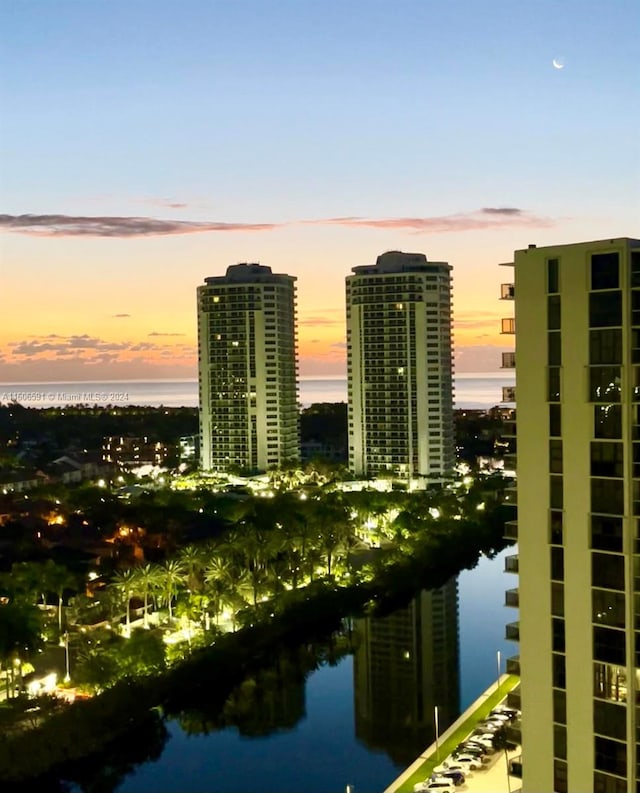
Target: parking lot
493, 777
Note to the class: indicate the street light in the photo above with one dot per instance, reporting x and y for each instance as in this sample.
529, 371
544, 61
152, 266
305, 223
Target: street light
498, 662
67, 677
435, 721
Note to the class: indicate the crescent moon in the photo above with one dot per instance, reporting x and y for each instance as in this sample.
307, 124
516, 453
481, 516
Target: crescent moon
557, 63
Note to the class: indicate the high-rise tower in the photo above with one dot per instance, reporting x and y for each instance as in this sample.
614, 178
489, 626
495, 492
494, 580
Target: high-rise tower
247, 370
405, 665
400, 368
578, 462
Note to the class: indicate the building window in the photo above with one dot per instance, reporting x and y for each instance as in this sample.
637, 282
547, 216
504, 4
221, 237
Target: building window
557, 564
559, 706
607, 421
552, 276
607, 459
557, 599
555, 527
557, 635
555, 420
555, 457
610, 682
635, 268
606, 533
607, 571
558, 670
560, 741
554, 349
604, 271
553, 312
553, 383
607, 496
608, 608
605, 384
610, 719
555, 492
609, 645
611, 756
605, 346
560, 776
608, 784
605, 309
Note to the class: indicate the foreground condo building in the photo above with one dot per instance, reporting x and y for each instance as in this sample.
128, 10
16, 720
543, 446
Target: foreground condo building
578, 463
400, 369
247, 370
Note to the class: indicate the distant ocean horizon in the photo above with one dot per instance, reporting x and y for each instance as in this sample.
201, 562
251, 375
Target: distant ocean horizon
474, 390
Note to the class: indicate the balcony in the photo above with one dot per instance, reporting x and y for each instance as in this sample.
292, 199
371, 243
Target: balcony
510, 461
513, 698
508, 325
507, 291
511, 563
513, 665
511, 530
508, 360
512, 631
511, 598
508, 393
513, 733
509, 427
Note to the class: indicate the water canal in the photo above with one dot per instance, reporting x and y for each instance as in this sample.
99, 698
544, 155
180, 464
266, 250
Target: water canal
361, 717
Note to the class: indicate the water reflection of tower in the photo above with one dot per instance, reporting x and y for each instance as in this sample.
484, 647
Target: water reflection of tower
406, 664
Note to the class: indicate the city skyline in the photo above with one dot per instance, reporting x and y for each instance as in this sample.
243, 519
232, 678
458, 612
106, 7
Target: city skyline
146, 147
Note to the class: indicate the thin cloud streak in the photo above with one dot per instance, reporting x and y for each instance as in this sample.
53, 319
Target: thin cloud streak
81, 226
487, 218
124, 227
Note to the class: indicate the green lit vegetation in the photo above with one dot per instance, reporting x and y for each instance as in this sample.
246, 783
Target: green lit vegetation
277, 570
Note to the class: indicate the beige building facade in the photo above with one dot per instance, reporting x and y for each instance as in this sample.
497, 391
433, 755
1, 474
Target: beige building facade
400, 369
247, 365
577, 315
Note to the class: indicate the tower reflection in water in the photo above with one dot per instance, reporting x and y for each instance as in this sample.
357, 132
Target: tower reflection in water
405, 665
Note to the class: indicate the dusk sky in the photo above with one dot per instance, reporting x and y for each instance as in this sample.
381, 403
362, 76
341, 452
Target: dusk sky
146, 145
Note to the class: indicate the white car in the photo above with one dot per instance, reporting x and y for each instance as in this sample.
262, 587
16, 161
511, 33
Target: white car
435, 783
497, 716
440, 784
484, 739
505, 710
468, 761
451, 765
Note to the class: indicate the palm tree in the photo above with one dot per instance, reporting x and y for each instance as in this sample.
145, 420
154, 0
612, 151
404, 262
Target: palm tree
227, 584
57, 578
172, 574
124, 582
20, 633
194, 560
145, 578
333, 527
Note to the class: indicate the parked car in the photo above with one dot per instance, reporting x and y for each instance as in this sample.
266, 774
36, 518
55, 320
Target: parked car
440, 785
470, 748
494, 725
451, 765
490, 726
512, 713
470, 761
496, 715
457, 777
479, 740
